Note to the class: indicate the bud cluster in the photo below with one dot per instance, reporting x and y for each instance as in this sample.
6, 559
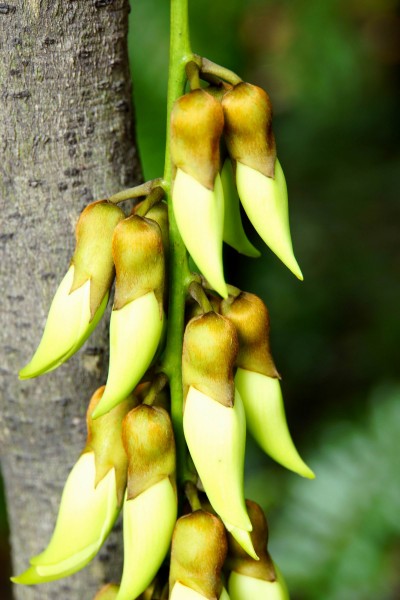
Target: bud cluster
215, 135
223, 150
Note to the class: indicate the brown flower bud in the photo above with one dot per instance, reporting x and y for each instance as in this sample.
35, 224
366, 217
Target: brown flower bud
238, 559
149, 443
197, 122
248, 127
250, 316
92, 258
210, 347
198, 552
104, 439
139, 260
159, 214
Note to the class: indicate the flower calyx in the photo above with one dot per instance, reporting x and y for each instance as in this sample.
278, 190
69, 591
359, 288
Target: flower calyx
199, 548
248, 127
210, 347
138, 253
92, 258
104, 439
251, 318
239, 561
197, 123
149, 443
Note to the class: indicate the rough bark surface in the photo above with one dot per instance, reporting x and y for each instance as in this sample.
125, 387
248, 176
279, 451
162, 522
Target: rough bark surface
66, 138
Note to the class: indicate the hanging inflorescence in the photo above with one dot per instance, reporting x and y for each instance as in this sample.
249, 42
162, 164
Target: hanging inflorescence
222, 149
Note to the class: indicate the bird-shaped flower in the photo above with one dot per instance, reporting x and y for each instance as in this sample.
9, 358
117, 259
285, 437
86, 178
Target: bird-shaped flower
137, 318
150, 506
257, 381
90, 502
213, 420
250, 579
82, 296
197, 195
259, 177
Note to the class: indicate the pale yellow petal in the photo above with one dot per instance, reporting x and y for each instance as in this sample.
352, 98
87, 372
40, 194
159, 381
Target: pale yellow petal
266, 204
234, 234
199, 213
135, 332
85, 518
243, 538
149, 520
216, 437
67, 327
266, 419
243, 587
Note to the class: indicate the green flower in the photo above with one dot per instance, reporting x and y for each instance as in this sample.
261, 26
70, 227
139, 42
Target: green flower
259, 177
197, 196
90, 502
266, 420
243, 587
216, 436
82, 296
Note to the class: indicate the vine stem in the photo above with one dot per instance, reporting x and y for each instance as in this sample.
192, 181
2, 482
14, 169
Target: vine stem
179, 274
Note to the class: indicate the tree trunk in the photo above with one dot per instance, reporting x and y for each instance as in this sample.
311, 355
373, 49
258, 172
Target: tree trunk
66, 138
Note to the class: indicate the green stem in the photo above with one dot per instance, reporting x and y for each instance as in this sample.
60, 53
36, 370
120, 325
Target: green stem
140, 190
153, 198
207, 67
179, 274
193, 496
197, 292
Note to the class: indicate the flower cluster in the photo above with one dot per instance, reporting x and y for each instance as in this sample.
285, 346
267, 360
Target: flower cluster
223, 150
205, 202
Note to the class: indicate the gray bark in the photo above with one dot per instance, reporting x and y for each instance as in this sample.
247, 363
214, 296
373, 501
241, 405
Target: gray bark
66, 138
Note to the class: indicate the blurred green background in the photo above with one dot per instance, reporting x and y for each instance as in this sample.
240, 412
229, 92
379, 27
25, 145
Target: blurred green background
332, 70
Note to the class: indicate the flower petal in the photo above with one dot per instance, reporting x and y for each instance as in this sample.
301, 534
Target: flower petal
266, 420
265, 202
216, 437
199, 214
149, 521
135, 332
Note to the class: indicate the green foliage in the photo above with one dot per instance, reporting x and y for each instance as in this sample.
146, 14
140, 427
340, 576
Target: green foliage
337, 538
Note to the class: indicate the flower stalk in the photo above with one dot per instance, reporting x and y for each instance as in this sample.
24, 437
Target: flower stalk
179, 274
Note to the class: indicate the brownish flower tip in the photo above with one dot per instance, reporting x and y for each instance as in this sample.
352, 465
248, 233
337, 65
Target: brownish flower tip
199, 548
240, 561
159, 214
92, 258
248, 127
104, 438
210, 347
197, 122
250, 316
149, 443
138, 254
